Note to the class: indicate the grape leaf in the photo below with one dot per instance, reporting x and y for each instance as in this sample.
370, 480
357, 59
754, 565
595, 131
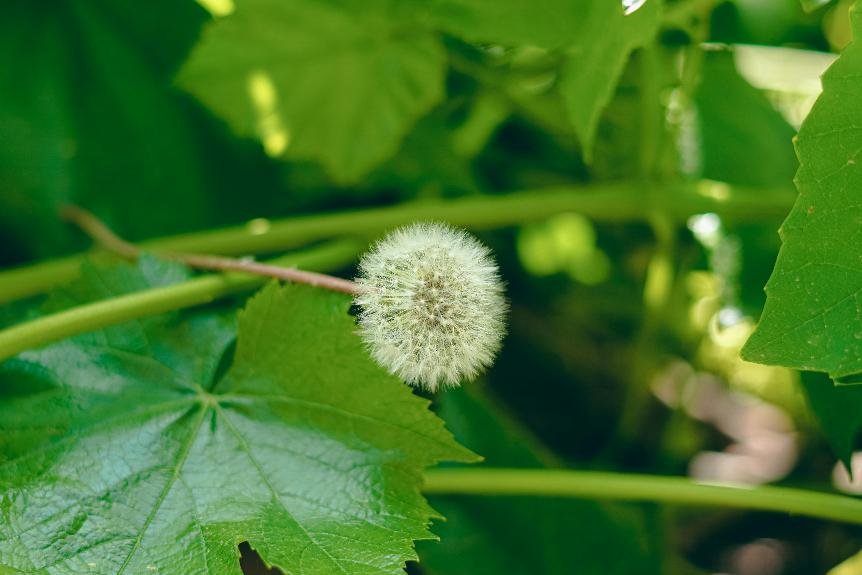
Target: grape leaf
543, 23
527, 535
595, 36
594, 64
339, 81
547, 24
813, 314
127, 451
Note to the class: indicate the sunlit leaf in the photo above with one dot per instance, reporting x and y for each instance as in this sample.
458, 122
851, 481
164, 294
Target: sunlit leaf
813, 314
338, 81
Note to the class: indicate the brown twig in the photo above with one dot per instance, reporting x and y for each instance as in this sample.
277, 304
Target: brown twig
105, 237
294, 275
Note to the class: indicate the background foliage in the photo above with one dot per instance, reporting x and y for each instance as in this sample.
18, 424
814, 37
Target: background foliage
650, 157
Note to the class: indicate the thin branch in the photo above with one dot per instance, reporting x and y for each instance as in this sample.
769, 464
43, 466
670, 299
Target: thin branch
107, 239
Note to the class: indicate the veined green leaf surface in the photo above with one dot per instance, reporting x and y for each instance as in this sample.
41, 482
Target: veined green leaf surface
127, 451
337, 81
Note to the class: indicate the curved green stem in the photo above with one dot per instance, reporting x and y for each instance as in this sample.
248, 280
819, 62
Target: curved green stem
637, 487
617, 201
202, 290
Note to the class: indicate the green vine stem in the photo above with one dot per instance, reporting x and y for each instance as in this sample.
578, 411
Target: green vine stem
202, 290
617, 201
637, 487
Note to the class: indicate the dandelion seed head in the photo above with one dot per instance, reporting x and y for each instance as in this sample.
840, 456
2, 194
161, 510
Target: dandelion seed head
432, 305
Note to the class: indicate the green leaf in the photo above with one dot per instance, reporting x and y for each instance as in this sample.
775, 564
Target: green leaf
126, 451
338, 81
596, 38
838, 409
594, 63
812, 5
744, 139
523, 535
813, 314
544, 23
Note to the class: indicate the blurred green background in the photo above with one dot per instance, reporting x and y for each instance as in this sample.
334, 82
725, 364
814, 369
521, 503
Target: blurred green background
625, 329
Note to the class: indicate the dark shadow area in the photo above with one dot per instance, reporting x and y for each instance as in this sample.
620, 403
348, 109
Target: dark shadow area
251, 563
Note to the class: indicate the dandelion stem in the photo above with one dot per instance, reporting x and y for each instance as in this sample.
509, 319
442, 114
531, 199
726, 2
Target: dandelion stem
217, 263
104, 236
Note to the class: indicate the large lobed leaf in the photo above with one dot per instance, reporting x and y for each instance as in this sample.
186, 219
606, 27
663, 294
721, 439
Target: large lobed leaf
342, 81
813, 314
127, 450
338, 81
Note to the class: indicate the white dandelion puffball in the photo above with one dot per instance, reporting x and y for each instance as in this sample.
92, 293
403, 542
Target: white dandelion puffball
432, 305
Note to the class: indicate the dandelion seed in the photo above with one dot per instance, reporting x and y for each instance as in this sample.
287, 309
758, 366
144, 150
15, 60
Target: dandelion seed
432, 305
